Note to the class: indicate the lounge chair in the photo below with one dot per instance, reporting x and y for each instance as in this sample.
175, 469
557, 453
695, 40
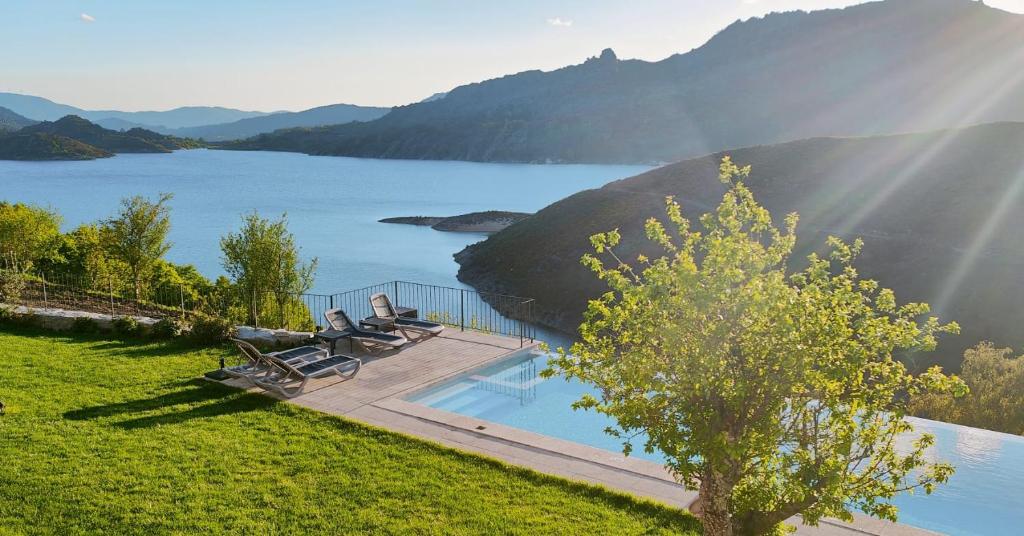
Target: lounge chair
258, 363
383, 308
372, 341
290, 378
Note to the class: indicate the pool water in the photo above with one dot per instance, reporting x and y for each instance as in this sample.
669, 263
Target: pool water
984, 497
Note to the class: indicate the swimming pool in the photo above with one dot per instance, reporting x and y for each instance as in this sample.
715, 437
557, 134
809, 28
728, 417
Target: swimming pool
984, 497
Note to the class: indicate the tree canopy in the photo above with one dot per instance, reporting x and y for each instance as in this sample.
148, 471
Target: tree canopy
773, 394
996, 398
137, 235
28, 233
264, 261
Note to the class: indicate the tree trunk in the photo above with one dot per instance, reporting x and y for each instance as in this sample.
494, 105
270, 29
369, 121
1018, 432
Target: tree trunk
714, 496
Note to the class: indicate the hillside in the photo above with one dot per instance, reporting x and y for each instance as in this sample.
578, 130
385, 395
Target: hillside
41, 146
876, 68
940, 213
42, 109
324, 115
132, 141
10, 121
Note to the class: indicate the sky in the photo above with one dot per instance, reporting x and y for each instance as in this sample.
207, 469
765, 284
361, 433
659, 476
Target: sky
270, 55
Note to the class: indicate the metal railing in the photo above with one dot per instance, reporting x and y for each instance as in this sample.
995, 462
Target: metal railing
460, 308
455, 307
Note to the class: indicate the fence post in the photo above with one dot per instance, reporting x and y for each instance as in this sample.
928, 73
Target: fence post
462, 309
181, 294
110, 289
397, 302
255, 317
46, 302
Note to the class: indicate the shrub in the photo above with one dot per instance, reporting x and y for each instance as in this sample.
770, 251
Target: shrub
167, 328
127, 326
12, 284
10, 317
211, 330
85, 326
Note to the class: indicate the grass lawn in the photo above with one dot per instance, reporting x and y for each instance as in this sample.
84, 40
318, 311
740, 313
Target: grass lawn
114, 437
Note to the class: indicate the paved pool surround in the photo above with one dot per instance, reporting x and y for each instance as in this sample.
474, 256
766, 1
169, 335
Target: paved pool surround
377, 396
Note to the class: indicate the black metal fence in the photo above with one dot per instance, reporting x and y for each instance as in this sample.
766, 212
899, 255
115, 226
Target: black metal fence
464, 309
455, 307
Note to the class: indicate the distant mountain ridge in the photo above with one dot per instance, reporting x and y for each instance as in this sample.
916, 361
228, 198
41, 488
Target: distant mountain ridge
882, 67
333, 114
939, 213
41, 109
10, 121
212, 123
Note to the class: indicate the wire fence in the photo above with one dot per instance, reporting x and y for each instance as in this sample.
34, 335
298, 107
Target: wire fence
465, 309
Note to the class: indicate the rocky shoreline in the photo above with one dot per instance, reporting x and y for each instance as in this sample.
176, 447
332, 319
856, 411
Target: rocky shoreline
490, 221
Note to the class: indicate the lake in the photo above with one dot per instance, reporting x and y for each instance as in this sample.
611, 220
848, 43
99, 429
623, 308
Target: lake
333, 203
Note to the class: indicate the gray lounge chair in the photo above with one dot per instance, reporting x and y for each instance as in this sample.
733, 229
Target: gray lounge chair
383, 308
290, 378
372, 342
258, 363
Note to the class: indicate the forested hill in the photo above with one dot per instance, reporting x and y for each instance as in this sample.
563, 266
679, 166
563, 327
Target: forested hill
136, 140
940, 214
876, 68
74, 138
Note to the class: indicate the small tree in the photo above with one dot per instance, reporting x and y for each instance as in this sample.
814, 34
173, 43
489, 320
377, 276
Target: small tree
263, 260
27, 234
772, 395
137, 236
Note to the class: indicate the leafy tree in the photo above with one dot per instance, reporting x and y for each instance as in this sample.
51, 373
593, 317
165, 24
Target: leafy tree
996, 399
81, 259
28, 234
771, 394
264, 262
137, 236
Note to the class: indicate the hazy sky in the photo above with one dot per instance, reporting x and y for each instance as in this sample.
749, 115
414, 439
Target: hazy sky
273, 55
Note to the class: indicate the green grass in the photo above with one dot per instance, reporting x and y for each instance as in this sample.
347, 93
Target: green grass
115, 437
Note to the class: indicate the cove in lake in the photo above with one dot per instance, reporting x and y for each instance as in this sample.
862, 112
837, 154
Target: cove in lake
333, 203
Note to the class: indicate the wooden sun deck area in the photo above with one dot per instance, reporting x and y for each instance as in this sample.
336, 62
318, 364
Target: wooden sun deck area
376, 396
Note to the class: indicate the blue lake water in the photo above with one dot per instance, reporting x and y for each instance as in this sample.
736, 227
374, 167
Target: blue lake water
333, 203
983, 498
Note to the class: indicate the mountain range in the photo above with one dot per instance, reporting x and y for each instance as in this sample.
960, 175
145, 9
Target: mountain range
938, 211
876, 68
41, 109
243, 128
10, 121
212, 123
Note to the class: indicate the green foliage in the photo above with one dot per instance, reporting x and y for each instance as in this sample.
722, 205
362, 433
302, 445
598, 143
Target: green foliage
772, 394
28, 233
128, 327
263, 260
12, 284
137, 236
996, 398
168, 328
85, 326
81, 257
89, 420
210, 330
